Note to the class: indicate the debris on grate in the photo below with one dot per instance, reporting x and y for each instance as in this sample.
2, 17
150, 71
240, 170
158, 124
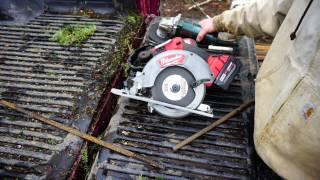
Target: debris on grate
56, 81
73, 35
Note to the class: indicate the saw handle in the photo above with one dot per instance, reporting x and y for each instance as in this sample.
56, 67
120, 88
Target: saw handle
189, 29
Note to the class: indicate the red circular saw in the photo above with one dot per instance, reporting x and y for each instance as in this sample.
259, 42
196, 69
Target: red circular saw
175, 75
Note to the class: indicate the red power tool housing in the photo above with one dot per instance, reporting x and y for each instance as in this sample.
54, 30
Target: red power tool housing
223, 67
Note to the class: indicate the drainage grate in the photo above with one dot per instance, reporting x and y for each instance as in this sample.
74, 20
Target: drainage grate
56, 81
224, 153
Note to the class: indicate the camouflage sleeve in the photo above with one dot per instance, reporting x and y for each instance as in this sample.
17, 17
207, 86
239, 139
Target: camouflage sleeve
258, 17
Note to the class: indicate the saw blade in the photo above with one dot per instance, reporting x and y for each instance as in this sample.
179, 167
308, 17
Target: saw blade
173, 85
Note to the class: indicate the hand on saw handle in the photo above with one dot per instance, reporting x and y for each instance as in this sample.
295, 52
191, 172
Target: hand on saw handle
207, 27
204, 32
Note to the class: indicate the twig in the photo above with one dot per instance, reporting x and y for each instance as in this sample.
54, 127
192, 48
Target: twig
113, 147
199, 4
200, 8
213, 125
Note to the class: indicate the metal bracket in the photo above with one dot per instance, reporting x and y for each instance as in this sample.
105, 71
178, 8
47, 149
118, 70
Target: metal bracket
140, 98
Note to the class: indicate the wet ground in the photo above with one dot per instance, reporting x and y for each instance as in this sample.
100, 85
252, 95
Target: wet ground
172, 8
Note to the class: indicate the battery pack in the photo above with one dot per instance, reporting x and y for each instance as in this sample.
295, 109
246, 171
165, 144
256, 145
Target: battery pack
224, 68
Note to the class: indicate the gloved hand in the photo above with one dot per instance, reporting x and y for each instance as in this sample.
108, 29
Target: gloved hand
207, 27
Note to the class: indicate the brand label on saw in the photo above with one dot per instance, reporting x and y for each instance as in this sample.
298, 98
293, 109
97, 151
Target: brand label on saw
171, 60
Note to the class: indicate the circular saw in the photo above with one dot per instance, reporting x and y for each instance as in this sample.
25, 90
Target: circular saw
175, 75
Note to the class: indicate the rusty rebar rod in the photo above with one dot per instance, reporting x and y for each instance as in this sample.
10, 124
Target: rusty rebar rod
213, 125
113, 147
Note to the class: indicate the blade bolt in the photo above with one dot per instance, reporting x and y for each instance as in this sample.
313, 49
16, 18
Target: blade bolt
175, 88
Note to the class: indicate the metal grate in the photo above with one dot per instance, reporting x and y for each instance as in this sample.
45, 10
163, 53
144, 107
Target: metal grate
224, 153
57, 81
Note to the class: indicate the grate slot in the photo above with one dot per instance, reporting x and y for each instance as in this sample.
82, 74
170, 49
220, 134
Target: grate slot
42, 76
30, 133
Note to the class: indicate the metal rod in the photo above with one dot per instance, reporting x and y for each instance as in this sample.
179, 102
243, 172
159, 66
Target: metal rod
213, 125
152, 101
113, 147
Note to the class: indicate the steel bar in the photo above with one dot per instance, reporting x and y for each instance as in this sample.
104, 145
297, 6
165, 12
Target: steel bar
113, 147
213, 125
